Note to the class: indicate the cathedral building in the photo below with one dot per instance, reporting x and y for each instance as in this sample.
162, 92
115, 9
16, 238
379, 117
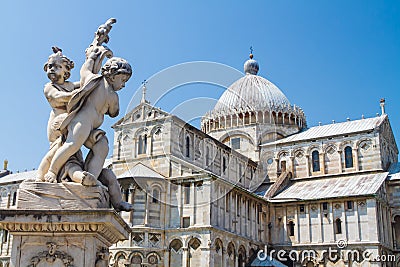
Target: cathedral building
255, 176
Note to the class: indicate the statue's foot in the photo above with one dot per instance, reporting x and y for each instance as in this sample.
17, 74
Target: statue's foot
39, 179
88, 179
50, 177
123, 206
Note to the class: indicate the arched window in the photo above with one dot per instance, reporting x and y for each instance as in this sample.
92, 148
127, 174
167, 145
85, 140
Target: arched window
315, 161
187, 146
291, 228
142, 144
136, 260
14, 199
223, 165
207, 156
348, 157
338, 226
156, 195
240, 173
145, 144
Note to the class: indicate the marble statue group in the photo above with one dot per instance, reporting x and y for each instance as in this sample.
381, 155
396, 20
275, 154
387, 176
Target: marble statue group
78, 110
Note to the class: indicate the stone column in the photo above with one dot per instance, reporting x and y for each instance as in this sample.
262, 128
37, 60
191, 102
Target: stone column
332, 219
308, 164
322, 162
284, 220
340, 161
205, 257
355, 159
277, 167
135, 147
193, 199
166, 257
132, 189
321, 225
225, 121
146, 206
357, 220
292, 165
185, 257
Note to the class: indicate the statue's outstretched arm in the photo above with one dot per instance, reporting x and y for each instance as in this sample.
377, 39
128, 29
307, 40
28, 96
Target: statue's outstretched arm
87, 67
52, 93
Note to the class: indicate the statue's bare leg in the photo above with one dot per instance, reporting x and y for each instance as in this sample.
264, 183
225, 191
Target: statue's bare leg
45, 164
95, 159
78, 132
78, 175
108, 178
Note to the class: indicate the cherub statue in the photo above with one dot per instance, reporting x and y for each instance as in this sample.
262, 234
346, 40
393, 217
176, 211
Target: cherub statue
58, 93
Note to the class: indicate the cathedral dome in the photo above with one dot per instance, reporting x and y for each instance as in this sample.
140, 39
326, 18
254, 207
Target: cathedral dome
251, 93
252, 99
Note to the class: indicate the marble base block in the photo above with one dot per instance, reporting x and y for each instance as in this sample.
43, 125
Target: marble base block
68, 231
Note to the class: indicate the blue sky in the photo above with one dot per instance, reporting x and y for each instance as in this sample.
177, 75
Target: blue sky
335, 59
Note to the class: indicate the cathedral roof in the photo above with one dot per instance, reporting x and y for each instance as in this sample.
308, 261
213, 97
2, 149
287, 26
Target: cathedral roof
141, 171
333, 129
18, 177
333, 187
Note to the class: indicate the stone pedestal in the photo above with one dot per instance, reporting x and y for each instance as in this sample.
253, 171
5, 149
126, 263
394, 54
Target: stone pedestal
73, 229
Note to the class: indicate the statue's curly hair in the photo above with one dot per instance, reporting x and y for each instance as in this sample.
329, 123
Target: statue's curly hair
69, 64
116, 65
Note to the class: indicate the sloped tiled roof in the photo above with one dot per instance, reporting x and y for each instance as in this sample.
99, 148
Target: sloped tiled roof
18, 177
4, 172
333, 129
141, 170
333, 187
21, 176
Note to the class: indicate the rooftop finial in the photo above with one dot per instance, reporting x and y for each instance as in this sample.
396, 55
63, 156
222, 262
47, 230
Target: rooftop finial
5, 164
382, 104
251, 66
144, 92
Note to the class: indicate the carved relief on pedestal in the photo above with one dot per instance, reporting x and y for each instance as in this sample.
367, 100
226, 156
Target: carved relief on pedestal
52, 257
102, 257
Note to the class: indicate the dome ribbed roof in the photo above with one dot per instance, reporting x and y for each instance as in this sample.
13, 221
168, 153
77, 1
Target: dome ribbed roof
252, 100
252, 93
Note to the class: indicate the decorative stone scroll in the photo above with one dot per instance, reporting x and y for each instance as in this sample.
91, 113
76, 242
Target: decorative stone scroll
52, 257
